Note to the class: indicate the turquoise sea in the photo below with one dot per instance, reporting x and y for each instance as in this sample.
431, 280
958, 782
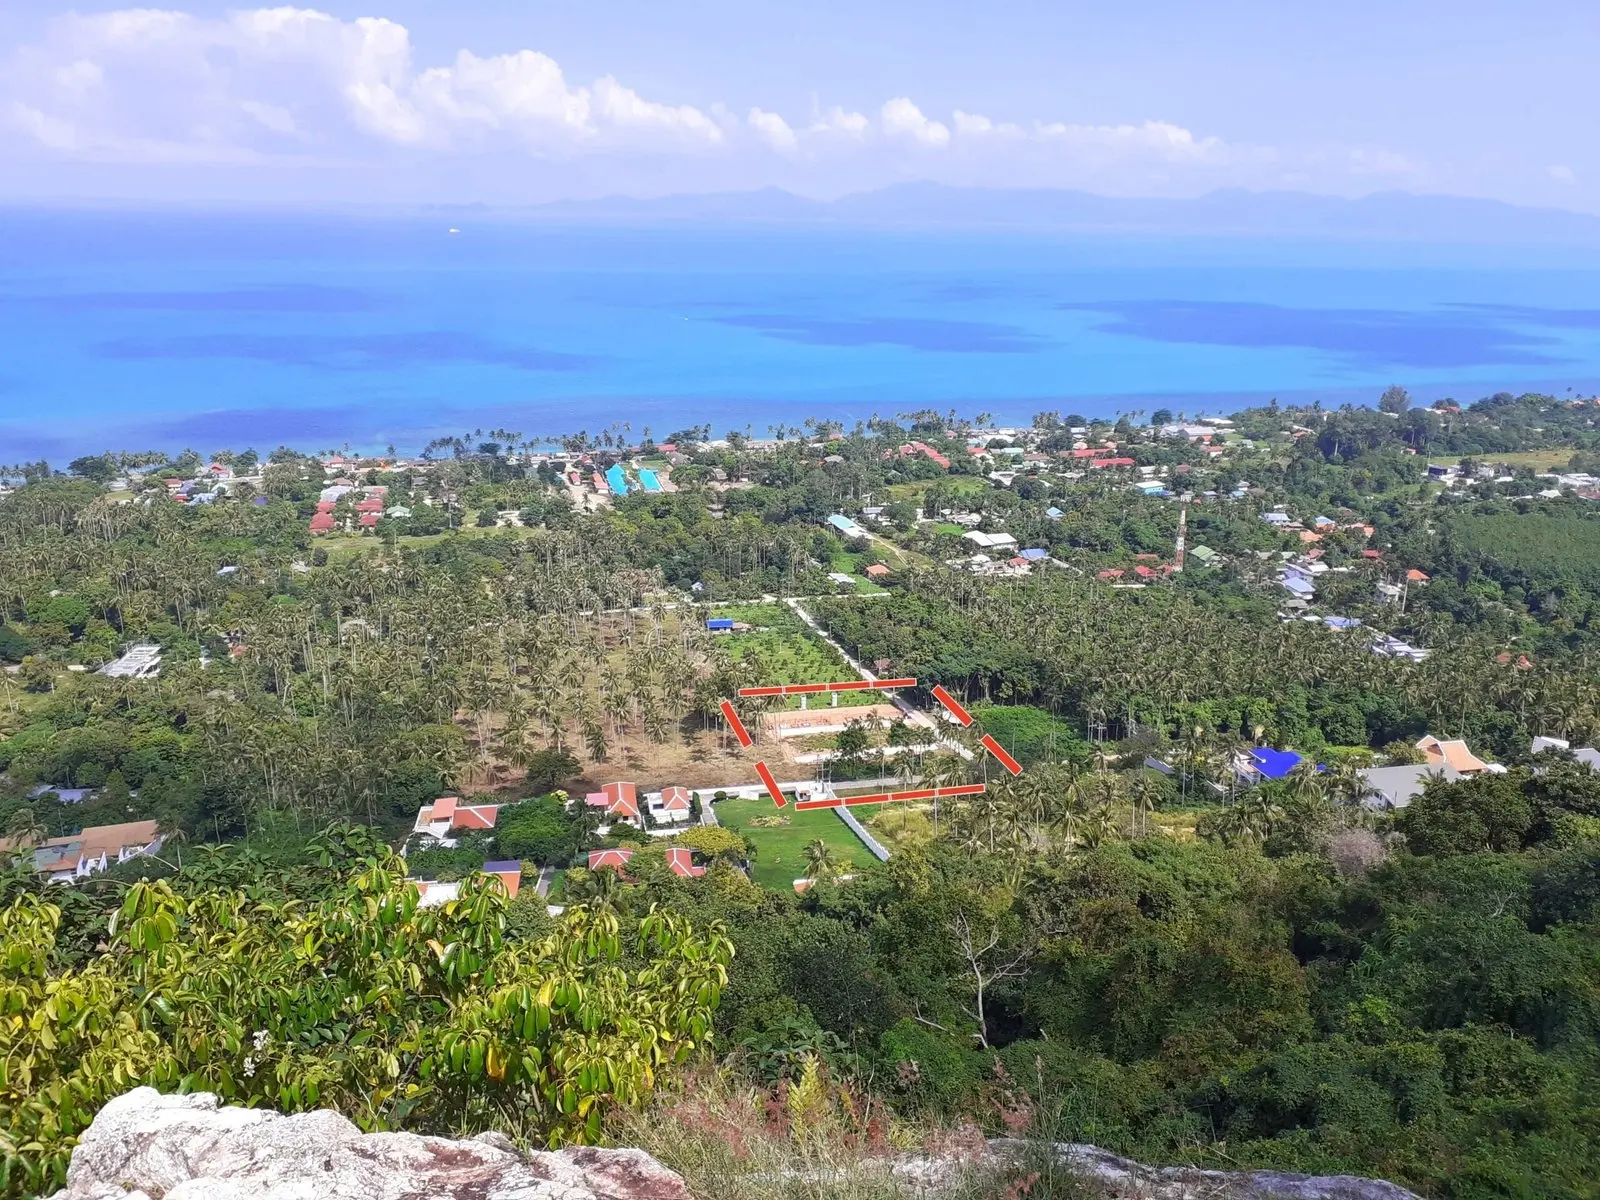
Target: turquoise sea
137, 330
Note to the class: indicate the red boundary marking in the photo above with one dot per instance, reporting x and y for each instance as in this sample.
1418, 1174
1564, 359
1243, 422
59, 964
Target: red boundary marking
950, 702
772, 784
739, 731
965, 789
1006, 761
811, 689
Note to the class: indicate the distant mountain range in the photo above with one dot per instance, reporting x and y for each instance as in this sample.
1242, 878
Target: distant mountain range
1231, 213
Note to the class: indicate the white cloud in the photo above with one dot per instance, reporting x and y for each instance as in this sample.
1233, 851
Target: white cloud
126, 83
279, 120
975, 125
625, 108
1161, 139
901, 118
293, 84
772, 128
1562, 174
836, 121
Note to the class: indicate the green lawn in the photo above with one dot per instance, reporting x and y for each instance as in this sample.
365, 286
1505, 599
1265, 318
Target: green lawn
959, 485
780, 857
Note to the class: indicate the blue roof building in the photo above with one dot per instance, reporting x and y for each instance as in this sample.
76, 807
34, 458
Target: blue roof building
846, 526
1274, 764
1054, 513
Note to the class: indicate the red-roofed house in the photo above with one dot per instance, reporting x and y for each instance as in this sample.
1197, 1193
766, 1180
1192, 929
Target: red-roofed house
325, 506
1416, 576
1370, 554
622, 801
1451, 753
675, 799
370, 505
877, 571
1144, 572
369, 520
609, 860
447, 816
1111, 573
508, 872
680, 862
322, 523
1307, 537
924, 448
1099, 464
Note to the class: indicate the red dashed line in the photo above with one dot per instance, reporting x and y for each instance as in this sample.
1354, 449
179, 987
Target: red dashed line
772, 784
950, 702
965, 789
739, 731
1006, 761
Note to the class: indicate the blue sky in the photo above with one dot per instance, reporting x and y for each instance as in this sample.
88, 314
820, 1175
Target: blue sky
504, 101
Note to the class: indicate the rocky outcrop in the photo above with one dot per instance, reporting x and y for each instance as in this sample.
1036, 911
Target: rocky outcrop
146, 1146
1125, 1179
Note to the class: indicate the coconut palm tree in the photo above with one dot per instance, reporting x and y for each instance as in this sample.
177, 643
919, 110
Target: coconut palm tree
1143, 793
820, 862
25, 830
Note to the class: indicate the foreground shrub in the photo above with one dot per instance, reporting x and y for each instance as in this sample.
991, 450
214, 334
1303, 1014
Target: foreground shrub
399, 1016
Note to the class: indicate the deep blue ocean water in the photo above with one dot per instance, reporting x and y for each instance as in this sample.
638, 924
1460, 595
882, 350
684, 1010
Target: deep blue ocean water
129, 330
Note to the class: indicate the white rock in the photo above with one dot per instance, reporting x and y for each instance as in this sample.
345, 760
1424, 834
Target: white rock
144, 1144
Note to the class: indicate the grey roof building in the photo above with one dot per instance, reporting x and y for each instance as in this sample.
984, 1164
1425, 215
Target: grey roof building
1396, 787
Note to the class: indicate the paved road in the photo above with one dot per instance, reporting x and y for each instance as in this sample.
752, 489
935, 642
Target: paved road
547, 876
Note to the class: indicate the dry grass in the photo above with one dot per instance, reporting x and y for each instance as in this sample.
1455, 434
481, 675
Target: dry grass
815, 1139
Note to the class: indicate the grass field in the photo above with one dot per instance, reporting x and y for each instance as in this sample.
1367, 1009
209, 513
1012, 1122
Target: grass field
780, 849
960, 485
1539, 460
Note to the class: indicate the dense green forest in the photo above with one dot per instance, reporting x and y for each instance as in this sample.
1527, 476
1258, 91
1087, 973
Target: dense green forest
1134, 943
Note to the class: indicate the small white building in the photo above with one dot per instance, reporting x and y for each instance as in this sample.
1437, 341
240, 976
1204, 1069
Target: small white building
990, 541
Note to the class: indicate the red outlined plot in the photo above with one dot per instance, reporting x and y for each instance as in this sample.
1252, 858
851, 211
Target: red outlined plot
739, 731
772, 784
950, 702
964, 789
811, 689
1006, 761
